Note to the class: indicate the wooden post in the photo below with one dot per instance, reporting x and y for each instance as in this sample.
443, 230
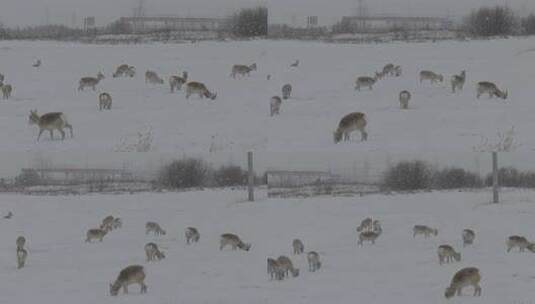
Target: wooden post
495, 184
250, 171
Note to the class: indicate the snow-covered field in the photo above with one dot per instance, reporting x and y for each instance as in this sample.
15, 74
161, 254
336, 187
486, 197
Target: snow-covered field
61, 268
239, 119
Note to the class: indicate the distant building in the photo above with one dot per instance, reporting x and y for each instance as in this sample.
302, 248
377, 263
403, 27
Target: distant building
147, 24
357, 24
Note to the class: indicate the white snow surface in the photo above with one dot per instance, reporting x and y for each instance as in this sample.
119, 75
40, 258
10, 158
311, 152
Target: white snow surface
238, 120
61, 268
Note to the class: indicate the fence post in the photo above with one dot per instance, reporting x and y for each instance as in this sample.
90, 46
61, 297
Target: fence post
250, 180
495, 185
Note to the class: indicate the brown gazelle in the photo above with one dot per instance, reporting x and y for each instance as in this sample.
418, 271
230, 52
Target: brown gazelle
90, 82
274, 269
313, 259
21, 242
517, 241
404, 98
134, 274
366, 82
192, 235
431, 76
447, 254
95, 234
457, 81
176, 82
275, 105
200, 89
242, 70
104, 101
286, 91
298, 246
287, 267
349, 123
465, 277
50, 121
22, 254
154, 228
233, 241
152, 77
425, 230
468, 237
6, 91
153, 253
369, 236
491, 89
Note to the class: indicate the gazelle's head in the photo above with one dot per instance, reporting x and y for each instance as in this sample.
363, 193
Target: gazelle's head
253, 67
502, 95
114, 288
450, 292
33, 119
338, 135
246, 246
100, 76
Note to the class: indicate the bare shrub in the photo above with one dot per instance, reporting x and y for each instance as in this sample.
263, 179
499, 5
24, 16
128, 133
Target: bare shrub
184, 173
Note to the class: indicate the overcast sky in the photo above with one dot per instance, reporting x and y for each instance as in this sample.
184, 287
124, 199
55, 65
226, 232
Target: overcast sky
35, 12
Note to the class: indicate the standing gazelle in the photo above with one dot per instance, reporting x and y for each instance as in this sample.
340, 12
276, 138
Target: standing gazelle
365, 81
233, 241
275, 105
314, 262
22, 254
404, 98
298, 246
286, 91
6, 90
104, 101
491, 89
90, 82
153, 253
447, 254
50, 121
176, 82
517, 241
242, 70
465, 277
349, 123
468, 237
457, 81
425, 230
152, 77
192, 235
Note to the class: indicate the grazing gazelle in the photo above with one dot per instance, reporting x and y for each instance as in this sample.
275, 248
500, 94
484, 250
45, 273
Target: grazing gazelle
104, 101
154, 228
465, 277
457, 81
242, 70
22, 254
365, 81
468, 237
287, 267
6, 91
431, 76
50, 121
274, 269
349, 123
134, 274
200, 89
192, 235
298, 246
153, 253
490, 88
95, 234
404, 98
21, 241
233, 241
369, 236
176, 82
314, 262
365, 225
152, 77
124, 70
90, 82
275, 105
295, 64
517, 241
286, 91
425, 230
447, 254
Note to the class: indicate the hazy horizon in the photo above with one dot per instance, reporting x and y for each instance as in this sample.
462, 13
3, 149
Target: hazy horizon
71, 12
